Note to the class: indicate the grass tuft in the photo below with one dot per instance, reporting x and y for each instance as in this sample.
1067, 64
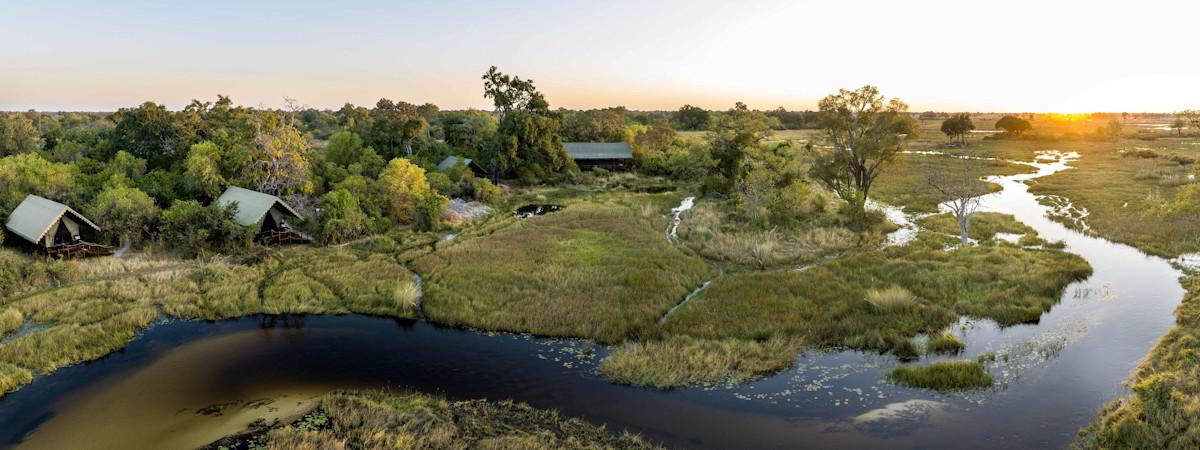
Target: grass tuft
942, 376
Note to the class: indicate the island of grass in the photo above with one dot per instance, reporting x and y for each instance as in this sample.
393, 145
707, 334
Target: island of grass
417, 421
942, 376
867, 300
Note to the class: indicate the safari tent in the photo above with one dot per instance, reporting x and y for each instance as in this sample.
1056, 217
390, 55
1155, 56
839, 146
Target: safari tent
452, 161
609, 155
55, 228
265, 213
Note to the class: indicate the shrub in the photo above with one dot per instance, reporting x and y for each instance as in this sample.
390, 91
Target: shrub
483, 190
341, 217
193, 229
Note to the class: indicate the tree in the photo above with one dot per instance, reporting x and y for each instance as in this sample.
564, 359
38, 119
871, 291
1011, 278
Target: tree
151, 132
733, 135
280, 162
341, 217
346, 149
29, 173
203, 170
649, 139
17, 135
404, 187
957, 126
1191, 117
126, 211
394, 125
962, 191
467, 130
596, 125
511, 93
193, 229
865, 132
1013, 125
1113, 129
528, 145
692, 118
1178, 125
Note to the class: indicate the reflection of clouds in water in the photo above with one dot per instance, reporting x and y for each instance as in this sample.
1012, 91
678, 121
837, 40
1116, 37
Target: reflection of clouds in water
899, 418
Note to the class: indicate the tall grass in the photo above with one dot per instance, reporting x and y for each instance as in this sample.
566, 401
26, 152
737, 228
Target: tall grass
382, 420
680, 361
709, 232
891, 300
942, 376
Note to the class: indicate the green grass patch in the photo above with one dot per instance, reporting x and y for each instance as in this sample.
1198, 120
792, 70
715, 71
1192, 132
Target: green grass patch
680, 361
834, 304
983, 226
603, 271
942, 376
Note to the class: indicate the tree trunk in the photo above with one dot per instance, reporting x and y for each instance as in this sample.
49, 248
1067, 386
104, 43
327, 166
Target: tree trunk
964, 220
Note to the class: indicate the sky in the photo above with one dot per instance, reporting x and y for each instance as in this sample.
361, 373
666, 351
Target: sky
1006, 55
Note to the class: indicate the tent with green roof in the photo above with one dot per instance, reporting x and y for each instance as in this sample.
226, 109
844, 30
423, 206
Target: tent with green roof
608, 155
265, 213
54, 227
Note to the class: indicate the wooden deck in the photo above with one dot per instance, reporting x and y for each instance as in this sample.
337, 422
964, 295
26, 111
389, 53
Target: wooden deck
278, 237
78, 248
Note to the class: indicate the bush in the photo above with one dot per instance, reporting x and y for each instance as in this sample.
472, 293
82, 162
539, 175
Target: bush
193, 229
944, 342
341, 218
444, 185
483, 190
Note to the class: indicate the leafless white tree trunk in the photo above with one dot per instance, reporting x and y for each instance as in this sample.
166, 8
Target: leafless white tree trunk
963, 188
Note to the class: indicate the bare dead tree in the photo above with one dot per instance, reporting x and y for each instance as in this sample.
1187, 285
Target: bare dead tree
963, 188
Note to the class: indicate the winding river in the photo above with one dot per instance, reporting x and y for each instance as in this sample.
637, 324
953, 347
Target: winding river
183, 384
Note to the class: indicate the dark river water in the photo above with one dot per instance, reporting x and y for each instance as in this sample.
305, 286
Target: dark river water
183, 384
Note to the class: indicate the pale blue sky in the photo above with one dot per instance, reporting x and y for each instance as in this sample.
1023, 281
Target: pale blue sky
1068, 56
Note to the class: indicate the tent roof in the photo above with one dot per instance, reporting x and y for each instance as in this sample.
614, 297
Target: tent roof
252, 205
35, 215
452, 161
599, 150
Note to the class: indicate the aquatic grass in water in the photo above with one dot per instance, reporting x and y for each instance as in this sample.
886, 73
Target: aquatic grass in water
680, 361
942, 376
944, 342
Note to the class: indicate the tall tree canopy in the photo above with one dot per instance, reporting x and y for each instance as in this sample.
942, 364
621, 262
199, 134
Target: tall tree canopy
864, 131
1013, 125
734, 134
17, 134
394, 125
692, 118
511, 93
957, 127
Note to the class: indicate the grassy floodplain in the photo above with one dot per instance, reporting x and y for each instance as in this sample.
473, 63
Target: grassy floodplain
383, 420
601, 270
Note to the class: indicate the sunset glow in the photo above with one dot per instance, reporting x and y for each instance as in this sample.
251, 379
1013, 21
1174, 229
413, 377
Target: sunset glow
1070, 56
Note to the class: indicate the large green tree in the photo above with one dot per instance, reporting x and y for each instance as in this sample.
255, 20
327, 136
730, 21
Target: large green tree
126, 211
864, 131
17, 134
692, 118
957, 127
1013, 125
511, 93
733, 135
